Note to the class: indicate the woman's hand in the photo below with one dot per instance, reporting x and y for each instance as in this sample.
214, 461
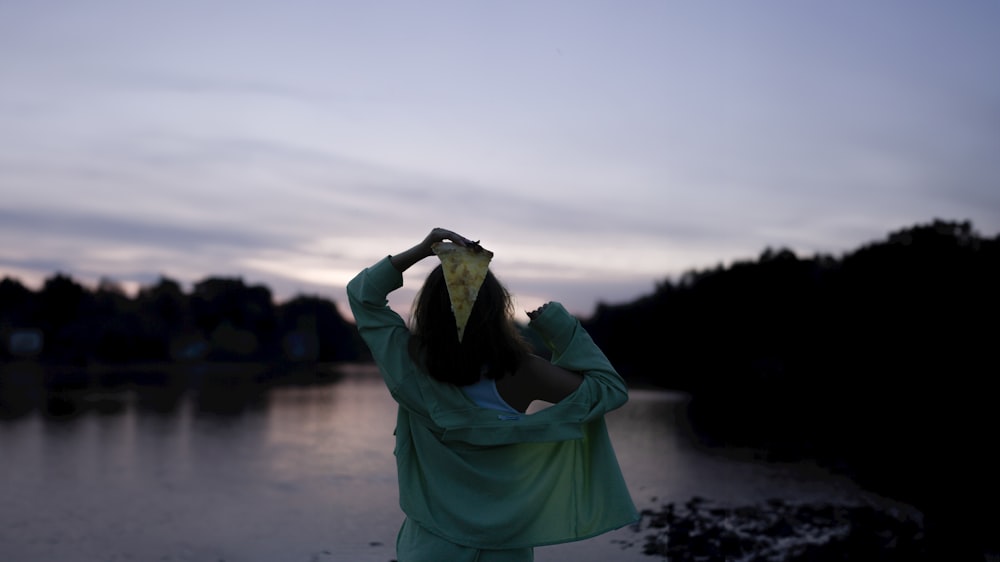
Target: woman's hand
403, 260
440, 235
532, 314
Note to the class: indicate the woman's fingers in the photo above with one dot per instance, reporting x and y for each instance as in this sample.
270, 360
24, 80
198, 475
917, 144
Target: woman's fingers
534, 313
441, 234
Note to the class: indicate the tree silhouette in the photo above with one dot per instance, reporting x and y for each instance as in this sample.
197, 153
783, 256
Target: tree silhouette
877, 362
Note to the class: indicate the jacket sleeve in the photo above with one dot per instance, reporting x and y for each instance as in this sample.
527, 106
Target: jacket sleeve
573, 349
383, 330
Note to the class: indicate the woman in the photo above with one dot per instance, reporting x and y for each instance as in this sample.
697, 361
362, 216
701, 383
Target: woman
479, 479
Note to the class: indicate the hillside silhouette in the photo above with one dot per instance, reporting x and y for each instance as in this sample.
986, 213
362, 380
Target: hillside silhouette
879, 362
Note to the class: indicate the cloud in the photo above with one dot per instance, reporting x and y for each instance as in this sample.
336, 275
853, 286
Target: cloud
117, 229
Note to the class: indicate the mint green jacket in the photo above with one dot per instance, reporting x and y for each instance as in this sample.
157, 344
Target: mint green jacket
489, 479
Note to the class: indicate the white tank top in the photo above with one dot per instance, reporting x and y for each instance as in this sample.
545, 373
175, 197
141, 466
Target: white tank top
484, 394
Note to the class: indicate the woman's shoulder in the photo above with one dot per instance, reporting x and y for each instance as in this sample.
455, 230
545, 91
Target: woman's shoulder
538, 379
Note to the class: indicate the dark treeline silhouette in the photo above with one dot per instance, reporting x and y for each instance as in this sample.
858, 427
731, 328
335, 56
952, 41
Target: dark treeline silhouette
880, 363
221, 319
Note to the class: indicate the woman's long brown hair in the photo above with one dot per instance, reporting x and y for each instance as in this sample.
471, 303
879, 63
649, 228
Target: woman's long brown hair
491, 344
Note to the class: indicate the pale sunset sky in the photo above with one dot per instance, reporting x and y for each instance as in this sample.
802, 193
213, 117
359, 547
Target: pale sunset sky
596, 147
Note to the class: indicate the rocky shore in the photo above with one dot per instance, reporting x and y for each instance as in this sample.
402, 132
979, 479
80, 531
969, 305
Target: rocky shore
780, 531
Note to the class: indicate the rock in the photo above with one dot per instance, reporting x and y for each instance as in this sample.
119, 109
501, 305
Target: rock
779, 531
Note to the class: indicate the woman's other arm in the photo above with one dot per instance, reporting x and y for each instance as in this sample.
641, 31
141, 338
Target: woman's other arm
538, 379
574, 351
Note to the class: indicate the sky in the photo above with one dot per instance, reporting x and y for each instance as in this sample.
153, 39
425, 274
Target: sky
596, 147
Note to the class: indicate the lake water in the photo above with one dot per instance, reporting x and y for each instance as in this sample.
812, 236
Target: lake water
301, 473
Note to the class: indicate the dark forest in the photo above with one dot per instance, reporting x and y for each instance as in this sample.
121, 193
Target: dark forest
879, 363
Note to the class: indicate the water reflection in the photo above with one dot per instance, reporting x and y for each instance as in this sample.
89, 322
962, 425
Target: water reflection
65, 392
211, 466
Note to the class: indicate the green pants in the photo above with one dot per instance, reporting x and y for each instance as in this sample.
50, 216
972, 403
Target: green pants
416, 544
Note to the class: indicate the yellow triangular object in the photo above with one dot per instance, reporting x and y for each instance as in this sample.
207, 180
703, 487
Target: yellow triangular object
465, 270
